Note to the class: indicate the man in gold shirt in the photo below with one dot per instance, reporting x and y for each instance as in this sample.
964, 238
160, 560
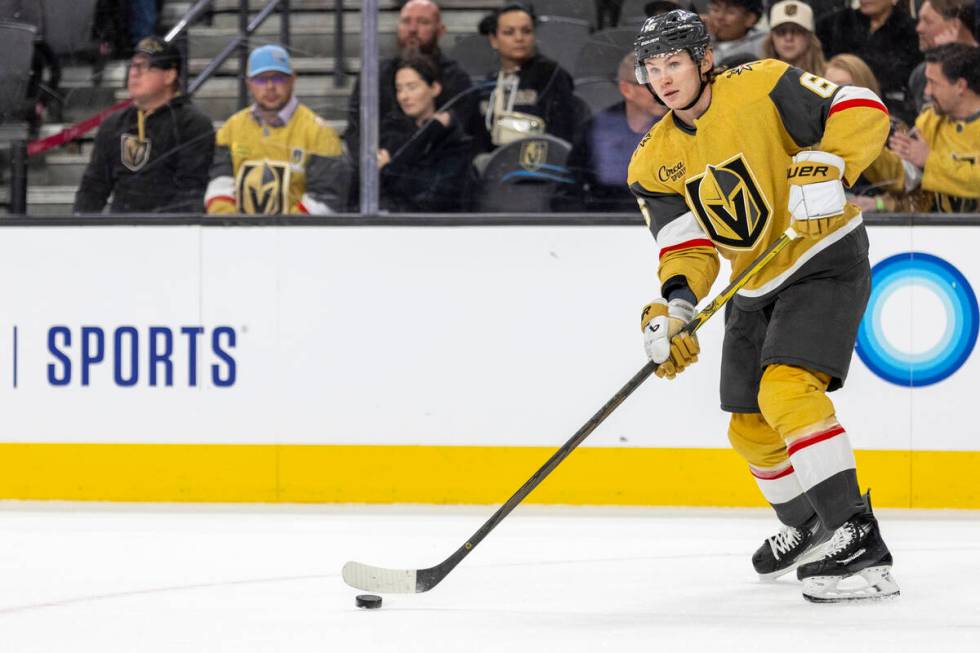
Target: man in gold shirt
941, 157
740, 157
276, 156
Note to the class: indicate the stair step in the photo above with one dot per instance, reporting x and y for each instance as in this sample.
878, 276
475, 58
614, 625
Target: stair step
455, 21
46, 200
302, 65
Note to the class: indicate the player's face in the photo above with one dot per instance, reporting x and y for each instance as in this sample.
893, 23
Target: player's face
929, 25
416, 97
943, 93
271, 90
676, 78
419, 26
729, 22
514, 39
790, 42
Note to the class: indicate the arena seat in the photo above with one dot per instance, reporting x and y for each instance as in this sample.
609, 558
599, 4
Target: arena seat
68, 25
16, 51
561, 38
521, 177
474, 54
598, 92
578, 9
601, 54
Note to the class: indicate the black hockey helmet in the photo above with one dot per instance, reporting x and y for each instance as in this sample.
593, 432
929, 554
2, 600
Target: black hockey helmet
676, 30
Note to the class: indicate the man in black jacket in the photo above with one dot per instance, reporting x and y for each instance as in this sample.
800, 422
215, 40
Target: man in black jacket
153, 156
419, 29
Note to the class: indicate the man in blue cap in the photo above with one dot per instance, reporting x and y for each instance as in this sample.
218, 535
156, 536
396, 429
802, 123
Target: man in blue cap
276, 156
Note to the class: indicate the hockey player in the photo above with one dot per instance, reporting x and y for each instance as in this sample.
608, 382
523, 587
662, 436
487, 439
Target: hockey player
276, 156
741, 156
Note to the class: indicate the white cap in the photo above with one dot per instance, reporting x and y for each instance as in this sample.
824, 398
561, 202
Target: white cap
791, 11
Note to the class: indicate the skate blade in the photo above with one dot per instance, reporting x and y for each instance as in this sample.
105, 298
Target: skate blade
873, 583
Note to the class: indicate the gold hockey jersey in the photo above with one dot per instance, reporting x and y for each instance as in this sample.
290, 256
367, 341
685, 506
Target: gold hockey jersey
721, 186
951, 177
298, 167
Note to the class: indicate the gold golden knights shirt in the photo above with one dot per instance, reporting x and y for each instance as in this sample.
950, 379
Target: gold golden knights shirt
297, 166
721, 186
952, 172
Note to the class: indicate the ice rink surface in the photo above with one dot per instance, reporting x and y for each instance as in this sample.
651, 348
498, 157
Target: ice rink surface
93, 578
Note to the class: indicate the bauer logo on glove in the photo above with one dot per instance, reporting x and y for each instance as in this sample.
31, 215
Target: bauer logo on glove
816, 194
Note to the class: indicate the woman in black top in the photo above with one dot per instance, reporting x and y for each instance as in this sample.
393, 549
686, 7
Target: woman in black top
424, 157
527, 81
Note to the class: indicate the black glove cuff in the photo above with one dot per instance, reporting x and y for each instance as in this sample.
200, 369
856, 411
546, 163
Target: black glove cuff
676, 288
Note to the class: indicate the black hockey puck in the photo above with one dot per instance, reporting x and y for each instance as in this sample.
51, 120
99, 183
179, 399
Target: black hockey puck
369, 601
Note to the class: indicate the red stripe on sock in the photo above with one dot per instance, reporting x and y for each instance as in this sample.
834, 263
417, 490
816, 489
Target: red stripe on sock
771, 476
803, 443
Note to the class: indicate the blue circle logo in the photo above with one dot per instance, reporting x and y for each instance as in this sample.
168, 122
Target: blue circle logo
931, 278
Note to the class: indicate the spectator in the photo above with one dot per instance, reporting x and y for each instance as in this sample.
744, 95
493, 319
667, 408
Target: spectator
735, 34
882, 34
792, 39
602, 149
849, 69
154, 155
419, 29
528, 85
424, 157
110, 28
276, 156
881, 194
142, 18
940, 22
939, 156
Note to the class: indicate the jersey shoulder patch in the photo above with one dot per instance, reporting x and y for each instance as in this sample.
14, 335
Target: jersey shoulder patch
751, 81
657, 163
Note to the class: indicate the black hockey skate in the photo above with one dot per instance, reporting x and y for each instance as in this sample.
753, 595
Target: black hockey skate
857, 565
790, 548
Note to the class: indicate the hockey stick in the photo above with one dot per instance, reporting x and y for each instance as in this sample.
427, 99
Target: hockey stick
407, 581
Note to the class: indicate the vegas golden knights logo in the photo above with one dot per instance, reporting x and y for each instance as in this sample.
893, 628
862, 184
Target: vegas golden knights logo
534, 154
729, 204
134, 152
262, 187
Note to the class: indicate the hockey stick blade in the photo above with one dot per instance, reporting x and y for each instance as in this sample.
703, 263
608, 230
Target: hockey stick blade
378, 579
412, 581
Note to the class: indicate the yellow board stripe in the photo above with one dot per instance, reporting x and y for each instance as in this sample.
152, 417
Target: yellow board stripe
430, 474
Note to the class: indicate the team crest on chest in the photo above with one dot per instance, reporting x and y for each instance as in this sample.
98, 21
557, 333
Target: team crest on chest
134, 152
729, 204
262, 187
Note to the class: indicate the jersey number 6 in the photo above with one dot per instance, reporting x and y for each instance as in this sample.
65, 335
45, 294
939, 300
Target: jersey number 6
818, 85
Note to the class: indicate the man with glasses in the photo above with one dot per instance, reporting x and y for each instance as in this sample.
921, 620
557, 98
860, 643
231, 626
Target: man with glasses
154, 155
276, 156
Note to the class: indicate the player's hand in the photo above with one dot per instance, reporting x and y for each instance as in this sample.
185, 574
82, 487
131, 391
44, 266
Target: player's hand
662, 322
816, 194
